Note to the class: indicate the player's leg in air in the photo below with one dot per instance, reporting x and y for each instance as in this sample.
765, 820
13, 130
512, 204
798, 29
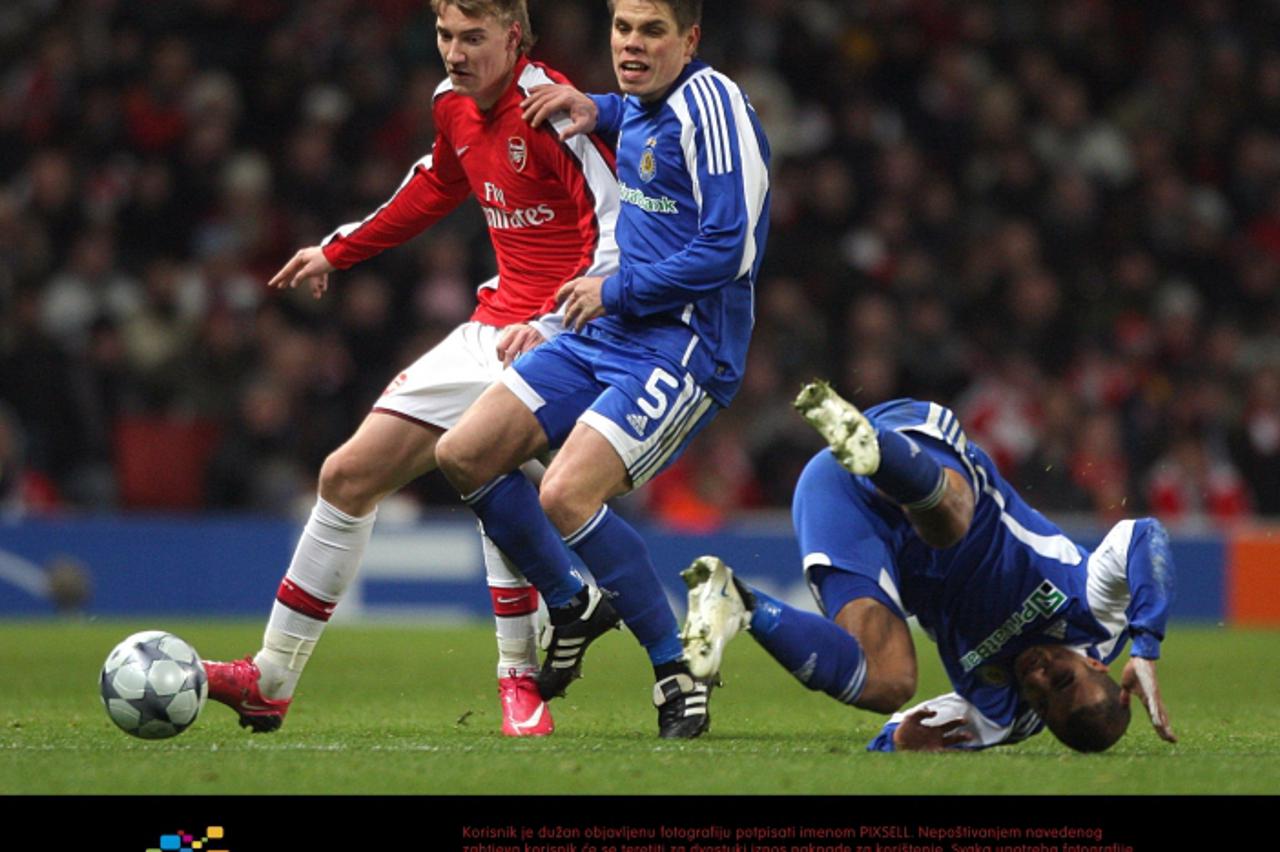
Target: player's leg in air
861, 653
393, 446
548, 395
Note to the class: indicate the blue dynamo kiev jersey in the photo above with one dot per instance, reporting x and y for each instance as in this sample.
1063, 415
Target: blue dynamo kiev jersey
1015, 580
694, 184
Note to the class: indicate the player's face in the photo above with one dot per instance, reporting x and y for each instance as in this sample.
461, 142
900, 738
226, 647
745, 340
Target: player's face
649, 51
479, 54
1055, 680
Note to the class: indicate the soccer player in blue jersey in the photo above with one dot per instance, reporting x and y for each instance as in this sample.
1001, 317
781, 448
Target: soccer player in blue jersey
905, 516
654, 352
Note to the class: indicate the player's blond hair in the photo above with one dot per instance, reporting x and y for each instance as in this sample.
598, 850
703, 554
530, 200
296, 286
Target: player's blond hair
507, 12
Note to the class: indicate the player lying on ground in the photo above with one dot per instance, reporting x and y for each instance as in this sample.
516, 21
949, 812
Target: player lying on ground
903, 515
655, 350
551, 208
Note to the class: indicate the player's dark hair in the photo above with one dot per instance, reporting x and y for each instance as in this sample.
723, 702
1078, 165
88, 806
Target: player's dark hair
1097, 726
686, 12
506, 11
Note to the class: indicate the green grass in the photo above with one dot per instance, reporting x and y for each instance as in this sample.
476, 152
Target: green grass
413, 710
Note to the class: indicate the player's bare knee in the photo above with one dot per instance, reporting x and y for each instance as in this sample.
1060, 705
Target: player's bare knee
567, 508
345, 484
891, 681
461, 462
888, 692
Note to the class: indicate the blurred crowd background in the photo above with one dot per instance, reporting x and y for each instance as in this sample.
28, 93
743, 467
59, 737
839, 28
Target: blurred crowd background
1060, 218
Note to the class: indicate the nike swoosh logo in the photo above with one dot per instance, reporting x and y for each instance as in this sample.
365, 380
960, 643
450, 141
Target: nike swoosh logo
531, 721
520, 599
255, 708
464, 149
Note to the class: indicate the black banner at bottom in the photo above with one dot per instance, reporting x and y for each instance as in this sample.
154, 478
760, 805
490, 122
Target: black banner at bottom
654, 824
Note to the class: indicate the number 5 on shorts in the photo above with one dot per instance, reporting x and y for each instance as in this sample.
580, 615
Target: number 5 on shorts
658, 407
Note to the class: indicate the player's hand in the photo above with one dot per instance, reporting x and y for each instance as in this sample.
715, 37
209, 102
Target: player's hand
914, 735
1139, 679
581, 301
308, 265
545, 101
517, 340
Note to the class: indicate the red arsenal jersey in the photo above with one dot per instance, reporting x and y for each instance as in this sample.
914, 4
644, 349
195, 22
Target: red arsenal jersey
550, 205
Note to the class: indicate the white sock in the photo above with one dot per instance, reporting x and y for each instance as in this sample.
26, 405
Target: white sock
326, 560
517, 623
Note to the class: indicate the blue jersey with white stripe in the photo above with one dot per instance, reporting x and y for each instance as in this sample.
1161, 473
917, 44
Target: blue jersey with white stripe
694, 181
1015, 580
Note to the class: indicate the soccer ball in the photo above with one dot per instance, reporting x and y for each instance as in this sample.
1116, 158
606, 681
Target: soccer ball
153, 685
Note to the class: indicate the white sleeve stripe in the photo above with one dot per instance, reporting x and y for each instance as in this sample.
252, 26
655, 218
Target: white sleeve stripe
1057, 547
713, 162
715, 118
934, 416
717, 98
348, 229
681, 108
714, 125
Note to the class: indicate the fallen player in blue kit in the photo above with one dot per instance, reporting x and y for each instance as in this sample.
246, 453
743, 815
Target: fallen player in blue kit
904, 516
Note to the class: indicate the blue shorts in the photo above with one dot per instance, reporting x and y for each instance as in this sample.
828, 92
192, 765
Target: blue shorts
852, 539
647, 407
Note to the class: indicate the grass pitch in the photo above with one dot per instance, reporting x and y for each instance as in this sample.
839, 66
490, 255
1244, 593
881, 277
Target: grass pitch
391, 710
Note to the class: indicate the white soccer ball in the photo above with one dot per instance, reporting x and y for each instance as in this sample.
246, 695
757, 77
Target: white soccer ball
153, 685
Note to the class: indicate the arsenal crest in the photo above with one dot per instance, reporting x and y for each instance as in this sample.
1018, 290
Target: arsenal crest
517, 152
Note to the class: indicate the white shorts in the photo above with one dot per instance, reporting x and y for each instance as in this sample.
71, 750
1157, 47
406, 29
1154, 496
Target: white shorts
443, 383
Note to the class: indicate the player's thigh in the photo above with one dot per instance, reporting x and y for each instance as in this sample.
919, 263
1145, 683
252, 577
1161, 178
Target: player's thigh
883, 634
889, 652
447, 379
385, 452
848, 537
648, 415
496, 435
584, 474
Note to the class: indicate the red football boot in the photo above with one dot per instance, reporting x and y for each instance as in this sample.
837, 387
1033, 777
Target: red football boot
235, 684
524, 713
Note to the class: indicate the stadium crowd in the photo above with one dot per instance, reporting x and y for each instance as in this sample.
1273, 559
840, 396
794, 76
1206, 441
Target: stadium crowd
1062, 219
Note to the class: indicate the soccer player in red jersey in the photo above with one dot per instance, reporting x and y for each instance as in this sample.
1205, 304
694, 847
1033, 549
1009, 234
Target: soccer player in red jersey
551, 207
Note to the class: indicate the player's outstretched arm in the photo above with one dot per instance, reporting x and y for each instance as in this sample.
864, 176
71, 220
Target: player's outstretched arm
1139, 679
308, 265
545, 101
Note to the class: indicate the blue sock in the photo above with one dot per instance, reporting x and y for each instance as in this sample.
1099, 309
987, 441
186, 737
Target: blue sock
509, 510
620, 562
818, 652
907, 473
